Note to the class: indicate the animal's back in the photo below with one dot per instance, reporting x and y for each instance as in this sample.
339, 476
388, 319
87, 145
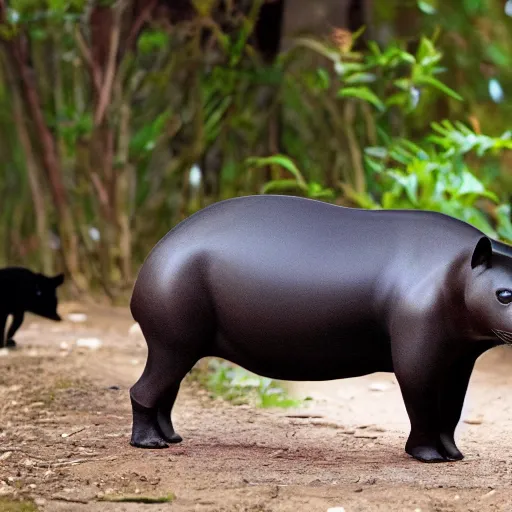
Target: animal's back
302, 239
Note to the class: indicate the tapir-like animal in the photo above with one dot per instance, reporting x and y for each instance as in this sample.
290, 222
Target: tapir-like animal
297, 289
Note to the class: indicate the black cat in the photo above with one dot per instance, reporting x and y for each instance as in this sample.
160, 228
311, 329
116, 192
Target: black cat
22, 290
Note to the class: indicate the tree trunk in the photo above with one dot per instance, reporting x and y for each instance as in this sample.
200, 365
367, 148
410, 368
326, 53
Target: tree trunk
40, 210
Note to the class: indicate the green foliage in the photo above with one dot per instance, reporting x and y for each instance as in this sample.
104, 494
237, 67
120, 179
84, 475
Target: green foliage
312, 189
436, 175
152, 40
239, 386
457, 138
477, 39
324, 121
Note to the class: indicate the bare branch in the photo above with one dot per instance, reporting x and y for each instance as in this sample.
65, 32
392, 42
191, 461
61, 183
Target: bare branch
86, 54
108, 77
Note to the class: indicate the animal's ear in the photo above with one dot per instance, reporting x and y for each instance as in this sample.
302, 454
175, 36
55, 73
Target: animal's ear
58, 280
482, 255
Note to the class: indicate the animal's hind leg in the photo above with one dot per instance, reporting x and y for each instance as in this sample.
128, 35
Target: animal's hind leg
154, 394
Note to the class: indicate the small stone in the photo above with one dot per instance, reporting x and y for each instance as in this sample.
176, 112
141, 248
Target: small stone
135, 330
476, 420
5, 455
90, 343
32, 486
366, 436
63, 346
77, 318
4, 352
40, 502
489, 494
378, 386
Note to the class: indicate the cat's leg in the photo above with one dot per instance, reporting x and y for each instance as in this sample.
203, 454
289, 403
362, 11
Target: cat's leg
17, 320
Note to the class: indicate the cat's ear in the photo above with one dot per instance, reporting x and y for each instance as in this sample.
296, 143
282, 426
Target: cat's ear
58, 280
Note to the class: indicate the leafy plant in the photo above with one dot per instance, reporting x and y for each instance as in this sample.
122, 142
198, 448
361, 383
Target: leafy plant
237, 385
436, 176
310, 189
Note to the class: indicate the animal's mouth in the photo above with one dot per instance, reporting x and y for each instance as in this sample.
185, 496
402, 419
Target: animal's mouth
504, 336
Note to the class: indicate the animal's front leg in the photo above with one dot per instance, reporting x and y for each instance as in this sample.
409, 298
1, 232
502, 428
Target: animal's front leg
452, 393
18, 318
420, 398
418, 367
3, 322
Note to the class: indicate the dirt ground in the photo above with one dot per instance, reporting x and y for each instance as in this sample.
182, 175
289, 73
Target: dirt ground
65, 424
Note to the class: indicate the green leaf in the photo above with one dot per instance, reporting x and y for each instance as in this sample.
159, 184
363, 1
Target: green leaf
409, 183
362, 93
318, 47
281, 160
324, 79
400, 98
316, 190
426, 6
361, 78
503, 217
434, 82
376, 152
374, 48
279, 185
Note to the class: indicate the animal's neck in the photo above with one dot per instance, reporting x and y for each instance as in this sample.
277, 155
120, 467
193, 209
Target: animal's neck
454, 303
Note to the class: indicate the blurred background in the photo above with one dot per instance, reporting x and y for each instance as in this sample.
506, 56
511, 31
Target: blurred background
121, 118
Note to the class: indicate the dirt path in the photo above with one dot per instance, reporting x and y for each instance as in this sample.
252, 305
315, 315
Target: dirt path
65, 423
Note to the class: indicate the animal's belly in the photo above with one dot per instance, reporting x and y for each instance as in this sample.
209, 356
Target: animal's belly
308, 355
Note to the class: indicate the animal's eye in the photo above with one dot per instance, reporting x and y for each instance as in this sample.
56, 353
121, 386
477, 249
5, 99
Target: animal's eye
504, 296
39, 293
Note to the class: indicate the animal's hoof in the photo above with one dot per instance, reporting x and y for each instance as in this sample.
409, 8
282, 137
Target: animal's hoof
175, 438
10, 343
145, 432
151, 442
165, 427
450, 448
426, 454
